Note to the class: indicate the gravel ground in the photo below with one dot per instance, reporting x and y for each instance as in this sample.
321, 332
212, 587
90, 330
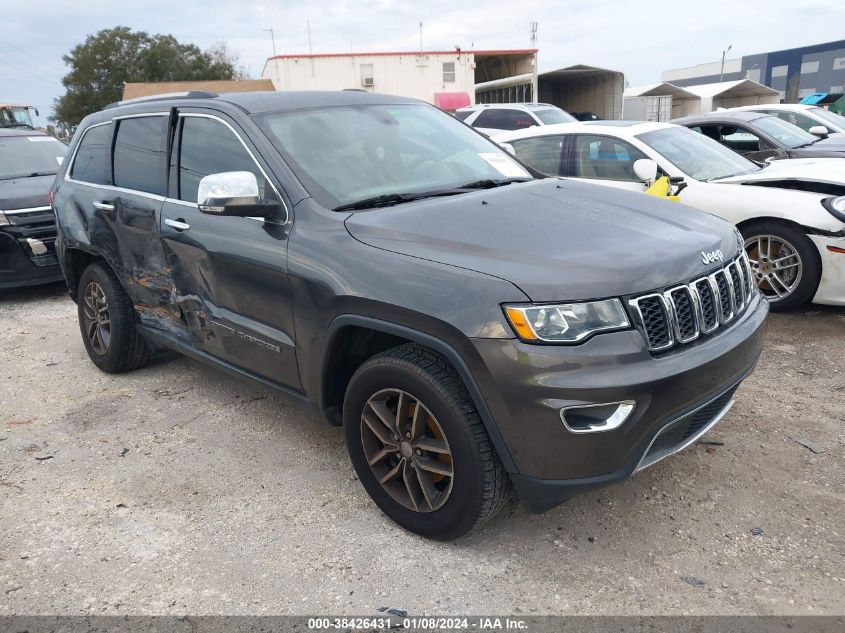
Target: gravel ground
175, 489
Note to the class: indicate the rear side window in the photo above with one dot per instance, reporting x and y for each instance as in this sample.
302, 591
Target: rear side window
139, 154
495, 118
519, 120
209, 147
543, 153
93, 157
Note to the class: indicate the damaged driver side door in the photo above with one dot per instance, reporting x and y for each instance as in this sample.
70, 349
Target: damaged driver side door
229, 274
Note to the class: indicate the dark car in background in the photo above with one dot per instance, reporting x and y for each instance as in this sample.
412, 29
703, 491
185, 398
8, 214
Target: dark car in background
29, 160
760, 136
470, 325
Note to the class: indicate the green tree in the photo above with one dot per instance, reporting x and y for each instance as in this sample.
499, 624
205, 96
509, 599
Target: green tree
105, 61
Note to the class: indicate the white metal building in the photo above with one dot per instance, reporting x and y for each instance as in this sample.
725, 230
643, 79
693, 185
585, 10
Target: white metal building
582, 88
666, 101
659, 102
486, 75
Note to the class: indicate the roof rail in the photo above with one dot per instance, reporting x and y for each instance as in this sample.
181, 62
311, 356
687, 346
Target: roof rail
193, 94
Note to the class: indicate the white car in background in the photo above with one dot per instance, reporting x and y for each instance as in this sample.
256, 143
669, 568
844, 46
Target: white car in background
494, 118
791, 213
808, 117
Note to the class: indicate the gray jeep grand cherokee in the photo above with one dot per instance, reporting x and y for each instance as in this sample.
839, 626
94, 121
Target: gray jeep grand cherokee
471, 326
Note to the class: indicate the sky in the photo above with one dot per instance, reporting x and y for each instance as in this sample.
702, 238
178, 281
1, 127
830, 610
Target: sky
641, 39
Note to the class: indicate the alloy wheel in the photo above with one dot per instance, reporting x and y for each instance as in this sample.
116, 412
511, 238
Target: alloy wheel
95, 308
407, 450
776, 265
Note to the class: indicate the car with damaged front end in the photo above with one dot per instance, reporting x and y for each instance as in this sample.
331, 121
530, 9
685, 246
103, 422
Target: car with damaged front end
473, 327
29, 160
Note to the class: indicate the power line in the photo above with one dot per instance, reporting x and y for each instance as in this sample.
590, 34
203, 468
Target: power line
28, 54
30, 69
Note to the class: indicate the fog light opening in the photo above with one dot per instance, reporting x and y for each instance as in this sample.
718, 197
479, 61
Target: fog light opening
595, 418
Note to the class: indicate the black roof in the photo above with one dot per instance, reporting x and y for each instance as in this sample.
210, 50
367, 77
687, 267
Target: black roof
737, 116
16, 131
258, 102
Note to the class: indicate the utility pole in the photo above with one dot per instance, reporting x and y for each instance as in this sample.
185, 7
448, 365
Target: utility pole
275, 61
273, 38
310, 48
724, 52
532, 29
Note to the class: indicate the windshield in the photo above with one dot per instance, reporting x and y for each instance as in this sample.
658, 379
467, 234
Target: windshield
347, 154
788, 135
696, 155
12, 116
830, 117
550, 116
22, 156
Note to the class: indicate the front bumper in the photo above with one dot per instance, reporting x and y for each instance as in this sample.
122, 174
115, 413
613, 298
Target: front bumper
27, 249
831, 290
688, 386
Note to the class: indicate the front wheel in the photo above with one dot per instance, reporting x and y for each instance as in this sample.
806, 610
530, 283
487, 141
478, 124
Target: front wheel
784, 262
419, 446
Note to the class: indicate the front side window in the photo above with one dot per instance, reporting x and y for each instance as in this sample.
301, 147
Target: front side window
696, 155
740, 139
448, 72
92, 163
347, 154
140, 149
604, 158
543, 153
30, 156
786, 134
831, 117
795, 118
206, 147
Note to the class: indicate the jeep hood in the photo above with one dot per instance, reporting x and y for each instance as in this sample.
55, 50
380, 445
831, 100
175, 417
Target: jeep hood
554, 239
21, 193
828, 170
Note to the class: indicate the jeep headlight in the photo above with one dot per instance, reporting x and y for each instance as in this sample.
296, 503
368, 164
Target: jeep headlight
566, 322
836, 206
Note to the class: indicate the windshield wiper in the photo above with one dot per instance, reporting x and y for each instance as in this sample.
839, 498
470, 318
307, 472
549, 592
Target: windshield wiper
390, 199
489, 183
41, 173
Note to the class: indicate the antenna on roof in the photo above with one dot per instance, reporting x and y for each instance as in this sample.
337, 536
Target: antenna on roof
420, 37
532, 29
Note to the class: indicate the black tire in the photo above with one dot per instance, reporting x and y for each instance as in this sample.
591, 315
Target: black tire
480, 485
125, 349
811, 265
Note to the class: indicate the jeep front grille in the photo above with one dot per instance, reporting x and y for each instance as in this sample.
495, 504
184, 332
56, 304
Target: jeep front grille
681, 314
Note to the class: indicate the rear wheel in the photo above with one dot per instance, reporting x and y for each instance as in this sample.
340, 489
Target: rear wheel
418, 445
107, 322
785, 263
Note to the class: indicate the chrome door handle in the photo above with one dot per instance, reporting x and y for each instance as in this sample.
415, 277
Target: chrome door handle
103, 206
179, 225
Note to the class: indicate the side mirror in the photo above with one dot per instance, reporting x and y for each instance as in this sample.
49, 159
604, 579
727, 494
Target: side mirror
645, 169
818, 130
508, 148
232, 193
